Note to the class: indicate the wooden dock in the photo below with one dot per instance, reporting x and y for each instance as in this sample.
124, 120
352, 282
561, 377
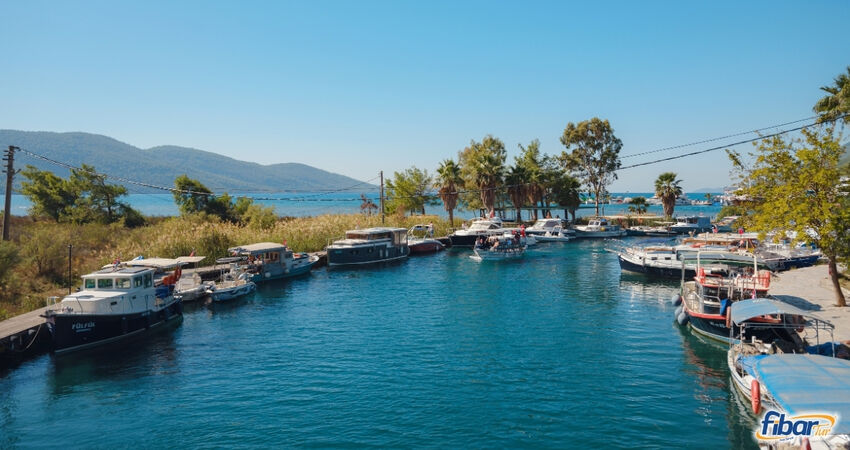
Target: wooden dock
19, 334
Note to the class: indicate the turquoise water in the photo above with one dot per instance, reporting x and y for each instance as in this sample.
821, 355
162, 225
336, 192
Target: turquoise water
555, 350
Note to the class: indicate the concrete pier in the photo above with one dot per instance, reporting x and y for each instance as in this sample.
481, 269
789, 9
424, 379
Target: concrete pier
810, 288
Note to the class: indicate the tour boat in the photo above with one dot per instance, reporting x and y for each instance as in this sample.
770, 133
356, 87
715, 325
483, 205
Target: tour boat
667, 261
787, 373
500, 247
599, 228
266, 261
115, 303
706, 299
691, 224
467, 237
367, 246
420, 239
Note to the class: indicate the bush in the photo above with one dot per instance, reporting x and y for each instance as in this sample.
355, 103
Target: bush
46, 251
9, 258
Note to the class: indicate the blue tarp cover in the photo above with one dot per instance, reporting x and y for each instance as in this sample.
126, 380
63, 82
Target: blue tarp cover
747, 309
806, 384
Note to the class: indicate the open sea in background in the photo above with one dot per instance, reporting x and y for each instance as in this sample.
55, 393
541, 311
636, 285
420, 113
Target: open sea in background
559, 349
314, 204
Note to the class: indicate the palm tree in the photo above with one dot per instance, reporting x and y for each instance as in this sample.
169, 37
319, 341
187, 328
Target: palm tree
837, 103
516, 187
450, 180
487, 175
638, 205
667, 189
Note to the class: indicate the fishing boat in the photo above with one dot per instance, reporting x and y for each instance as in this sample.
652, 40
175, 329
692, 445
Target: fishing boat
599, 228
234, 283
706, 299
266, 261
420, 239
495, 248
368, 246
556, 234
115, 303
691, 224
787, 373
466, 237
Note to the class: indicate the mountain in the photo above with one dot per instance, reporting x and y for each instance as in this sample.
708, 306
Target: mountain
161, 165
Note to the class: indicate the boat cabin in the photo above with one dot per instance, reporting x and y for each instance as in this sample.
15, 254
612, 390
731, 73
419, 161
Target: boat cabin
544, 225
116, 290
369, 245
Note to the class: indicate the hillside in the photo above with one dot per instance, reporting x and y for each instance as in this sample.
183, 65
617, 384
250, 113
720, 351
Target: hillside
161, 165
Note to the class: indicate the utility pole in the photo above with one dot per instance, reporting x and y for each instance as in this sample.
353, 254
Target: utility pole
382, 197
70, 280
10, 174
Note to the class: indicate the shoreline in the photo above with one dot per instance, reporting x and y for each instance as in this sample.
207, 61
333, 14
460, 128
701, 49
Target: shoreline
810, 289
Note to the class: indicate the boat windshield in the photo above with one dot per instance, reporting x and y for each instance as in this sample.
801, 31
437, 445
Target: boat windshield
104, 283
368, 236
122, 283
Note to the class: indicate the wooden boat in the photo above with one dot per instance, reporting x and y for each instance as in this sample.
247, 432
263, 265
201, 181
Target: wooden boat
497, 248
267, 261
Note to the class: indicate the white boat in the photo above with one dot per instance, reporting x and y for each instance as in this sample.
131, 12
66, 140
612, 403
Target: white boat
599, 228
691, 224
234, 283
192, 287
497, 248
420, 240
467, 237
557, 234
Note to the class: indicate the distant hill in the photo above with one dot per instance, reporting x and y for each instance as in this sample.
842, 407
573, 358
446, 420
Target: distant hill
161, 165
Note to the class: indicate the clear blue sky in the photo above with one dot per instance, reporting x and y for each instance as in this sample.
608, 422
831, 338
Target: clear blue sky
356, 87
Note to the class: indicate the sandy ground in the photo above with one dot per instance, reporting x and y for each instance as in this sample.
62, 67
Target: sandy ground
810, 288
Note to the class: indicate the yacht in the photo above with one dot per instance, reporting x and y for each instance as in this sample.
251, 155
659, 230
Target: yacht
691, 224
114, 303
368, 246
550, 227
266, 261
467, 237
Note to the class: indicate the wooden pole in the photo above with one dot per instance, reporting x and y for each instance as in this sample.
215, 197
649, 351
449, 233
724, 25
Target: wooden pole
382, 197
10, 174
70, 281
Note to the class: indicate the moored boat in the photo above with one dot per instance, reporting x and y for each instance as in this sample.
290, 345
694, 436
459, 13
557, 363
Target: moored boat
420, 239
266, 261
466, 237
551, 226
691, 224
599, 227
190, 287
233, 283
115, 303
556, 234
367, 246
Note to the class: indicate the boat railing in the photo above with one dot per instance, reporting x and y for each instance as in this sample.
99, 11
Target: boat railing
52, 300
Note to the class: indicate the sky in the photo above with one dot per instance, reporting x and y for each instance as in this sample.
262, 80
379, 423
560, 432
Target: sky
359, 87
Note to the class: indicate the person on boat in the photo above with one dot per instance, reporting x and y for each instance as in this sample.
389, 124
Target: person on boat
430, 229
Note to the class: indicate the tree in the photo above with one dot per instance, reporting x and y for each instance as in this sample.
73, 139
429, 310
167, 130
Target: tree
837, 103
408, 191
537, 174
592, 153
192, 197
516, 180
668, 190
449, 181
84, 197
482, 166
565, 192
795, 187
367, 206
638, 205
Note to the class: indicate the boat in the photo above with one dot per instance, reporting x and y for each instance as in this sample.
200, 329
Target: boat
599, 228
650, 231
667, 261
234, 283
266, 261
192, 287
495, 248
420, 239
705, 299
787, 373
115, 303
466, 237
548, 225
367, 246
556, 234
691, 224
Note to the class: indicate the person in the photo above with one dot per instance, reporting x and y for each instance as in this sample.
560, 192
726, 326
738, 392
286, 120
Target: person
740, 230
430, 229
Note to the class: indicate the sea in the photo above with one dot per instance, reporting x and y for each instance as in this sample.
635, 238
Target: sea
559, 349
317, 203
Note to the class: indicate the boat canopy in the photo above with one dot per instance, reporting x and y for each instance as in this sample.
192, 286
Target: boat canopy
747, 309
190, 259
805, 383
157, 263
253, 249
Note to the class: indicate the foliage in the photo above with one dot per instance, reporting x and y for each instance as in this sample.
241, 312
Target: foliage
668, 189
482, 168
192, 197
408, 191
795, 186
592, 154
46, 252
259, 217
538, 173
565, 192
638, 205
367, 206
449, 181
837, 103
84, 197
9, 258
517, 188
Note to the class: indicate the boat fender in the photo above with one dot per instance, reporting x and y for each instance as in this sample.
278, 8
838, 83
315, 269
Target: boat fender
682, 318
805, 445
678, 311
755, 396
676, 300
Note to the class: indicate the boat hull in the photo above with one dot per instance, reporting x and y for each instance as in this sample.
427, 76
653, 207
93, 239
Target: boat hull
73, 332
298, 269
488, 255
232, 293
466, 240
599, 234
661, 272
430, 246
366, 255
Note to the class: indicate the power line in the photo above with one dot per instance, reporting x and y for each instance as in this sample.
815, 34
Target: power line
718, 138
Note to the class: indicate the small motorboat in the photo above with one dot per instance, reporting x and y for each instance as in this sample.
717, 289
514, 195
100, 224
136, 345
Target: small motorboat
420, 239
599, 228
557, 234
234, 283
497, 248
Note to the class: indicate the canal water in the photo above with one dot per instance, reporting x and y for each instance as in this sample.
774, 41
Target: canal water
558, 349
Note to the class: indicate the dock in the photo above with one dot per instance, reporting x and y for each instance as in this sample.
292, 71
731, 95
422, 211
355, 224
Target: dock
20, 335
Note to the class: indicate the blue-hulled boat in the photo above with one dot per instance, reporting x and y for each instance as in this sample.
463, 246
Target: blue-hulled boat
266, 261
